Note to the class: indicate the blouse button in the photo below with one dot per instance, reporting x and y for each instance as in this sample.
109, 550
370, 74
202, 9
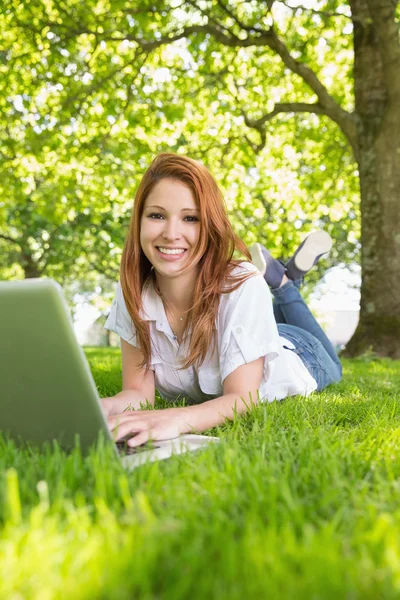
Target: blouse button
239, 330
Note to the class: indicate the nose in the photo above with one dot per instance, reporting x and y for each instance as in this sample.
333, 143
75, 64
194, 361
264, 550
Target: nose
171, 230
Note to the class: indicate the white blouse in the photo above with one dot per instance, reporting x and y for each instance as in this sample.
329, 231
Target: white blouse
246, 330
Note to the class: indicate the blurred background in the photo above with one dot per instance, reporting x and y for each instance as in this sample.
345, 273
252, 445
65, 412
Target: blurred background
91, 92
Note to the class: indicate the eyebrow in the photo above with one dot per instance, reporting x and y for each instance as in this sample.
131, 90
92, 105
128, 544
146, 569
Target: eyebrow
183, 209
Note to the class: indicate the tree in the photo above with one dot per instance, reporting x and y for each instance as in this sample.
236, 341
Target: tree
268, 71
82, 117
371, 128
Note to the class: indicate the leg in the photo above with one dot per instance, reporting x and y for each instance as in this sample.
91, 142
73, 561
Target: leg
306, 256
324, 369
289, 306
295, 321
296, 312
278, 314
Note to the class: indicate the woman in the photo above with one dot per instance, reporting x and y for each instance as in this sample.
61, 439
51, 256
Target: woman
194, 321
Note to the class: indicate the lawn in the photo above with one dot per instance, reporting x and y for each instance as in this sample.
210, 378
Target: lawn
300, 500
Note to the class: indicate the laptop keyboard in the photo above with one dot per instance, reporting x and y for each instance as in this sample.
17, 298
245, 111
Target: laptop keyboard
126, 450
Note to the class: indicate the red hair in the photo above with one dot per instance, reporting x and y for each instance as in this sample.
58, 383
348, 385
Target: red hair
212, 255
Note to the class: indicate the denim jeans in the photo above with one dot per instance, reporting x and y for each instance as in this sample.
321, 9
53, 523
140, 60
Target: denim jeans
297, 324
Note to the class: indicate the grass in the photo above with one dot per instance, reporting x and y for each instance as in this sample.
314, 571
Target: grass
300, 500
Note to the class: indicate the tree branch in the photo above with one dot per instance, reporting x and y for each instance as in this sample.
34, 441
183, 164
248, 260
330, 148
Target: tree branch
257, 147
285, 107
249, 28
208, 15
9, 239
314, 11
332, 109
345, 120
282, 107
255, 37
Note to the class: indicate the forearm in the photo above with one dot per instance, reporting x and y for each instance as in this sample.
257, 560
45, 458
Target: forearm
127, 399
213, 412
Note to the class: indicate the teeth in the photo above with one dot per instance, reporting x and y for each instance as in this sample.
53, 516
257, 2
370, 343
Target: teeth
169, 251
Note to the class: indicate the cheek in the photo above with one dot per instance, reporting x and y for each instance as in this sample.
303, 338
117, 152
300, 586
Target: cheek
147, 232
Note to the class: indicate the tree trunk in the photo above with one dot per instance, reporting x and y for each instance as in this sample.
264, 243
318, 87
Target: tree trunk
29, 266
378, 113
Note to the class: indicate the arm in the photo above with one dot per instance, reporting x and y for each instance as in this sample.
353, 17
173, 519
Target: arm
137, 386
241, 328
170, 423
124, 400
242, 382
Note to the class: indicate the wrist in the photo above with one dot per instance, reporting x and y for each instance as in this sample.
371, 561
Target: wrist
130, 400
187, 422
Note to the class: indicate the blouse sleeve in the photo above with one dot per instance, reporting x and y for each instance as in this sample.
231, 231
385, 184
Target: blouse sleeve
119, 319
248, 327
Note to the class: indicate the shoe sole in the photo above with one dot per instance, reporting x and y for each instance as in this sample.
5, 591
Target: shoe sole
257, 258
316, 244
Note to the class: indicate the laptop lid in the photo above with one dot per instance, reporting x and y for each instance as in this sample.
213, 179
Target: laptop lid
46, 388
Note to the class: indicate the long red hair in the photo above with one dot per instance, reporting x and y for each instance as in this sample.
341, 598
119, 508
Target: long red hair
212, 255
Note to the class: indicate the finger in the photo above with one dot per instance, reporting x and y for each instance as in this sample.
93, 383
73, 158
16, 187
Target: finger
122, 417
105, 406
115, 420
126, 428
139, 439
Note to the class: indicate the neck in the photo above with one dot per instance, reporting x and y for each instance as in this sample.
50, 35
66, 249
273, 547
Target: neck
177, 293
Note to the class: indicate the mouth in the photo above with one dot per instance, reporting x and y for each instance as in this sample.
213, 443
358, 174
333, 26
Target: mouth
171, 255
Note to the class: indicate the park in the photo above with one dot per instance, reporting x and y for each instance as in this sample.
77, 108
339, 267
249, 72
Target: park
293, 105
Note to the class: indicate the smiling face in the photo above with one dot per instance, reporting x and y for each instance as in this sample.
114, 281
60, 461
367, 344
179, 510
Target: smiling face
169, 227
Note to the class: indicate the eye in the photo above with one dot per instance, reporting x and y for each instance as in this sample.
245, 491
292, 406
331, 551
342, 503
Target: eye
155, 216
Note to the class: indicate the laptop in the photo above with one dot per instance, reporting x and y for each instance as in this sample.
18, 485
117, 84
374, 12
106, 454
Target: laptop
47, 391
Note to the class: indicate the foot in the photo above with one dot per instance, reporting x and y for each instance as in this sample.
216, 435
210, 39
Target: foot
308, 254
272, 270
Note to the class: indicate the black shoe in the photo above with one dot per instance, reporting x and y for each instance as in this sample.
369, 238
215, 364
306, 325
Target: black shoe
272, 270
308, 254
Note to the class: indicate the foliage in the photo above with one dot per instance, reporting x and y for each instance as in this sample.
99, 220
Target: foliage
91, 92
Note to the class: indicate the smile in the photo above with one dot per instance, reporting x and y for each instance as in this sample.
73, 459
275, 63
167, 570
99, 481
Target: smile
171, 250
171, 254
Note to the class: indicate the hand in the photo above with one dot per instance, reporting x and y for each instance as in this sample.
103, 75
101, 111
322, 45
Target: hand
107, 405
125, 400
115, 406
148, 424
